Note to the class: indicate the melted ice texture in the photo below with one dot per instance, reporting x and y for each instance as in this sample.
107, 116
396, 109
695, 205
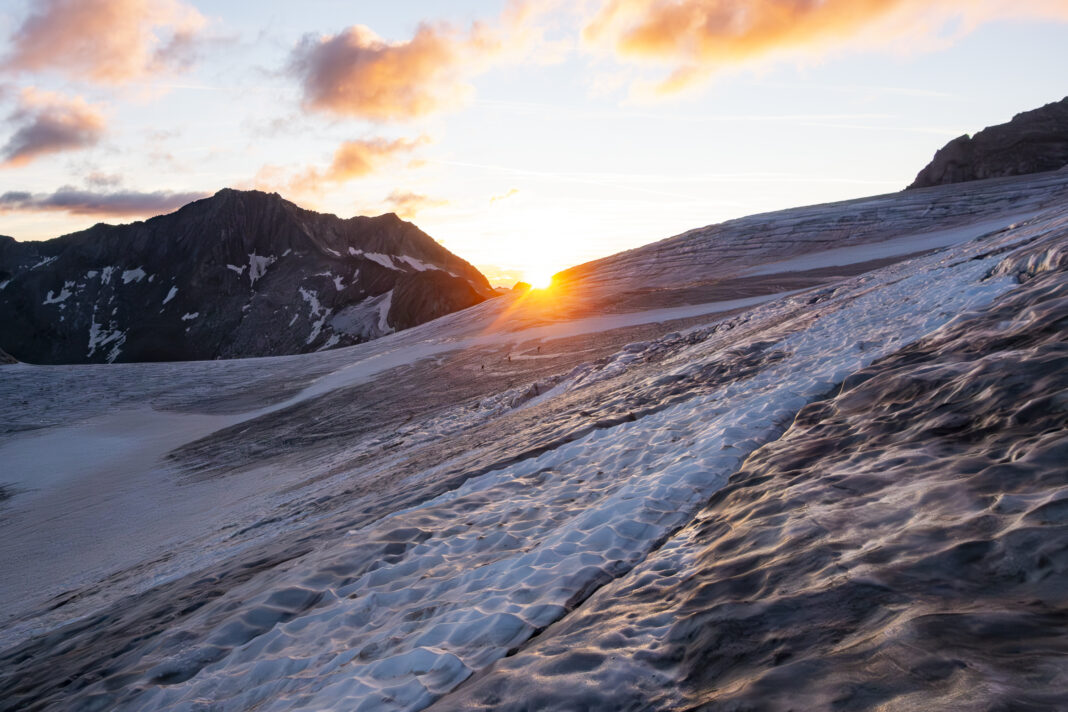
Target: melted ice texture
476, 572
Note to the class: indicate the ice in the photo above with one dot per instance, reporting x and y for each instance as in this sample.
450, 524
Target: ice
100, 336
171, 294
318, 313
189, 316
105, 275
384, 260
62, 296
239, 269
364, 320
890, 248
395, 609
330, 342
417, 263
133, 275
257, 266
383, 312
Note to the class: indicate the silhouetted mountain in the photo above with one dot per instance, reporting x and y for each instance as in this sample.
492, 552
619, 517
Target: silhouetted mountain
242, 273
1033, 142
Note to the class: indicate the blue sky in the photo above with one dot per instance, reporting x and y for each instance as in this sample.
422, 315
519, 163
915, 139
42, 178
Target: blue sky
531, 146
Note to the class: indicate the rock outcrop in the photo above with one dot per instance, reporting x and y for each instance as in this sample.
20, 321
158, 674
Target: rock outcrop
239, 274
1033, 142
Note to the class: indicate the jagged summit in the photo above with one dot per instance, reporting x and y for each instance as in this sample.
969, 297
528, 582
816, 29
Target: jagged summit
236, 274
1033, 142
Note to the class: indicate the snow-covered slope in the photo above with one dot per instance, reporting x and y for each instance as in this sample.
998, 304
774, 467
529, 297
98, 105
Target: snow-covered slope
847, 233
524, 506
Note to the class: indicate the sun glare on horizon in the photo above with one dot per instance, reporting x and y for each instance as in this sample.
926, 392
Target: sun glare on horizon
539, 277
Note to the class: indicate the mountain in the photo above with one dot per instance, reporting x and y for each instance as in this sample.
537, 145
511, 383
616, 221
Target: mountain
1033, 142
242, 273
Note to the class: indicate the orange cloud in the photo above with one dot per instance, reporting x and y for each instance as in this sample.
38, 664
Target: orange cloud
699, 36
407, 204
353, 159
105, 41
357, 73
50, 123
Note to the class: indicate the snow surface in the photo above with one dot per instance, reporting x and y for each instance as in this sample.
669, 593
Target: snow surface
384, 260
489, 564
318, 313
257, 266
395, 611
133, 275
63, 295
100, 336
171, 294
891, 248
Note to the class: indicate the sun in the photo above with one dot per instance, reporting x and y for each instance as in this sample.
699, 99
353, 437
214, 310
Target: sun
539, 277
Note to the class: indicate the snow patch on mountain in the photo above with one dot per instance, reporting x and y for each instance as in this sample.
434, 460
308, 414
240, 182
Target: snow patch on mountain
257, 266
133, 275
63, 295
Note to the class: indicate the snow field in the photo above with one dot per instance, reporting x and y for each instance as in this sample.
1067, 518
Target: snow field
393, 615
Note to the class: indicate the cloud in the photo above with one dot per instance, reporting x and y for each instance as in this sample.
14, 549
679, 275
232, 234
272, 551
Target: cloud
352, 159
86, 202
50, 123
407, 204
105, 41
504, 196
356, 73
697, 37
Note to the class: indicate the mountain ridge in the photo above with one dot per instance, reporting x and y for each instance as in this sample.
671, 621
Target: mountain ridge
237, 274
1034, 141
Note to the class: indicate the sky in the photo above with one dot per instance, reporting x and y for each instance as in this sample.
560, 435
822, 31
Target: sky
524, 136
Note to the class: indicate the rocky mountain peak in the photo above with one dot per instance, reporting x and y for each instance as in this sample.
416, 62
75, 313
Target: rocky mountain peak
1033, 142
237, 274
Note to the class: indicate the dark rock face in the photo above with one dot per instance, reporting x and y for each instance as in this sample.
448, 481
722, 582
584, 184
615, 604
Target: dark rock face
421, 296
1033, 142
6, 358
236, 275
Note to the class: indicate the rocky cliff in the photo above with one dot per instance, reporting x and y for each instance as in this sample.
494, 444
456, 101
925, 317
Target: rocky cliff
240, 274
1033, 142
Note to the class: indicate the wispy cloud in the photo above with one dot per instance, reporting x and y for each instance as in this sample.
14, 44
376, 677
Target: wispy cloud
407, 204
105, 41
695, 38
47, 123
86, 202
351, 160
